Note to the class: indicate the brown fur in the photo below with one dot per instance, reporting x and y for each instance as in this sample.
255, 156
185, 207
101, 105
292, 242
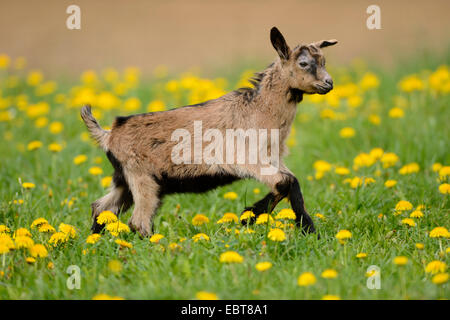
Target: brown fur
140, 146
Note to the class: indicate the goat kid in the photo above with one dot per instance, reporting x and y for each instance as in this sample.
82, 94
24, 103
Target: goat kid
139, 146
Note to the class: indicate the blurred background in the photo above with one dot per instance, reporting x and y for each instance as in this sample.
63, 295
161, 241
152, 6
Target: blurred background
212, 34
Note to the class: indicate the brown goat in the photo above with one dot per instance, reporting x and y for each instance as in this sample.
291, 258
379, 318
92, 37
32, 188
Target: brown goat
140, 146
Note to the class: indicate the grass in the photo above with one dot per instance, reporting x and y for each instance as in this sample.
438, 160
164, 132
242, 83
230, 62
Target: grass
63, 193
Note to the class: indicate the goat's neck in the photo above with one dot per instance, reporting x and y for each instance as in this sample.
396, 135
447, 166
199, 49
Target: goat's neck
275, 98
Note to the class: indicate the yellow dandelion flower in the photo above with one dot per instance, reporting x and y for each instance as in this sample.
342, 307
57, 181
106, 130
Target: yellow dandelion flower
80, 159
230, 195
50, 265
6, 241
38, 251
23, 242
363, 160
28, 185
330, 297
444, 172
231, 257
306, 279
123, 243
389, 159
439, 232
58, 238
420, 246
102, 296
55, 147
411, 83
342, 171
200, 236
34, 145
444, 188
408, 221
30, 260
286, 214
38, 222
276, 235
228, 217
68, 230
204, 295
106, 217
22, 232
56, 127
264, 218
416, 214
156, 237
376, 153
41, 122
95, 171
361, 255
343, 235
46, 228
174, 246
34, 77
369, 81
155, 106
200, 219
396, 113
263, 266
347, 132
436, 266
322, 166
4, 229
403, 205
320, 216
440, 278
4, 61
409, 168
117, 227
93, 238
436, 167
400, 260
246, 215
390, 183
256, 191
329, 274
3, 248
106, 181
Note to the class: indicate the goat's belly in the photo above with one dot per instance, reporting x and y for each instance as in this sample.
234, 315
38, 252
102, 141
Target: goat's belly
197, 184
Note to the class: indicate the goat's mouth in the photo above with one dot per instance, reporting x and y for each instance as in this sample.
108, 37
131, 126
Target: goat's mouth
323, 88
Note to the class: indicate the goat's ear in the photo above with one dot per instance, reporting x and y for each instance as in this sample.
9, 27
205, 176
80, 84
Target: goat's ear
279, 43
326, 43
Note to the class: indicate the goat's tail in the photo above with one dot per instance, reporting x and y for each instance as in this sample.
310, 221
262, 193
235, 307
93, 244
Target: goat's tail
97, 133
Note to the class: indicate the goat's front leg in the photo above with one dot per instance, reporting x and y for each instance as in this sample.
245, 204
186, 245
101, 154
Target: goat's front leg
283, 184
266, 204
302, 218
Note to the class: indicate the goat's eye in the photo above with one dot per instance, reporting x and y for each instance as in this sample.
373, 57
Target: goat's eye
303, 64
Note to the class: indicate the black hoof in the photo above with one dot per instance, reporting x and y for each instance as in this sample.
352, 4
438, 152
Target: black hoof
251, 220
97, 228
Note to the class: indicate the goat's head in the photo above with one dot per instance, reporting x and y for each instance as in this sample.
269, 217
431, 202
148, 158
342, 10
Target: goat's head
304, 66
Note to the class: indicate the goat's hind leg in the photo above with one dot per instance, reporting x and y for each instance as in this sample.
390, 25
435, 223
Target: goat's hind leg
118, 200
145, 192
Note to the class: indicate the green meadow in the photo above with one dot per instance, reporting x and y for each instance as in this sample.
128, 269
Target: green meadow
372, 157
